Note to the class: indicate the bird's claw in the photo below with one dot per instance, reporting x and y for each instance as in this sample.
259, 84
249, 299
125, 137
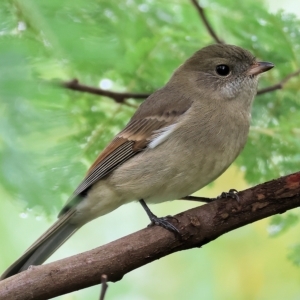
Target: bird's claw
233, 193
163, 222
171, 217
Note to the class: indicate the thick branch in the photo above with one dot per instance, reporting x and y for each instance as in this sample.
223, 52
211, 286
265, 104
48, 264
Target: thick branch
198, 227
206, 23
279, 85
118, 97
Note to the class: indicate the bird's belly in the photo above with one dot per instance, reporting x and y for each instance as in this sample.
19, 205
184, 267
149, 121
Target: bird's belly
156, 177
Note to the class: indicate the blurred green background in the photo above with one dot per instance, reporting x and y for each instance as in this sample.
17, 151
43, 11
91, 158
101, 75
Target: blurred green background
50, 135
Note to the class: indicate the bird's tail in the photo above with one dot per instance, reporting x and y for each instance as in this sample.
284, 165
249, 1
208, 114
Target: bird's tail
51, 240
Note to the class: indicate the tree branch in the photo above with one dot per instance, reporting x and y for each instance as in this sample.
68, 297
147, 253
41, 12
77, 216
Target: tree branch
197, 226
206, 23
118, 97
279, 85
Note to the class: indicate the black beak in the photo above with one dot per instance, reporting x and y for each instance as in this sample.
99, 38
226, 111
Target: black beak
259, 67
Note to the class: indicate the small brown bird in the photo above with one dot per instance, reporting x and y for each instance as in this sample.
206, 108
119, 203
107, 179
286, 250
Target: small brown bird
180, 139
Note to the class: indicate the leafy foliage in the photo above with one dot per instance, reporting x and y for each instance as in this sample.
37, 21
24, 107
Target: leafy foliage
279, 224
294, 254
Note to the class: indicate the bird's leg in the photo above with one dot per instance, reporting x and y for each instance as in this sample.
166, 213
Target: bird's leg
233, 193
163, 222
198, 199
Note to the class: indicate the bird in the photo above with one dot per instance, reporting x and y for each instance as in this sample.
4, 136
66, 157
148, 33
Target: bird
181, 138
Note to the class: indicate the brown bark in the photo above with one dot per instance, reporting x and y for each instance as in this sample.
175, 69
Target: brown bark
198, 227
75, 85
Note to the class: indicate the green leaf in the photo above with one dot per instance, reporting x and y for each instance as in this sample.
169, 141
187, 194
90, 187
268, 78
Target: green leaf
282, 223
294, 255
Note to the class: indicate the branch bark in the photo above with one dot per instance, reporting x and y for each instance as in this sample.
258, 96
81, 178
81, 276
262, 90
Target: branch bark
198, 227
118, 97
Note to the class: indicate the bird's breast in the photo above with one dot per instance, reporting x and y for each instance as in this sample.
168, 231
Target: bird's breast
192, 157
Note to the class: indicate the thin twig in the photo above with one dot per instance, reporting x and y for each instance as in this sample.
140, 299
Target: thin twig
104, 286
279, 85
206, 23
118, 97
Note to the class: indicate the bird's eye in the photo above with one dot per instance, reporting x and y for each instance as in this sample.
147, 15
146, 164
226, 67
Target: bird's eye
222, 70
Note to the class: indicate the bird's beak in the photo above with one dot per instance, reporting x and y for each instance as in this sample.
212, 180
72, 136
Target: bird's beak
259, 67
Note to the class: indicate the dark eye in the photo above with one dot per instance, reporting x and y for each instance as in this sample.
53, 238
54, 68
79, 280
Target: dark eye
222, 70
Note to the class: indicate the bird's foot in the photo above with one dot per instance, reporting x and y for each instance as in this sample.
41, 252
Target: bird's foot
231, 194
163, 222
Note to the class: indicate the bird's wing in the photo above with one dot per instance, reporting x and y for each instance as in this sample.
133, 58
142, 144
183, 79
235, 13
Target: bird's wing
139, 132
133, 139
